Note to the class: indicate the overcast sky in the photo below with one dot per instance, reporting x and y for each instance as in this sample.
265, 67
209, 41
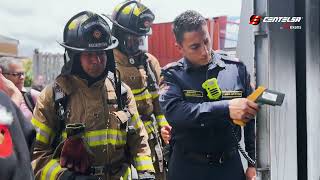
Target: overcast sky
39, 23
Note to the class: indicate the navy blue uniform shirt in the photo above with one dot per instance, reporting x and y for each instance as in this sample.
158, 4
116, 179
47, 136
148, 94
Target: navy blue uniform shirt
198, 123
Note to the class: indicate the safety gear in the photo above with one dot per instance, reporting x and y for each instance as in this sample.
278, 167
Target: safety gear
75, 152
86, 31
131, 23
69, 175
146, 95
146, 176
132, 44
212, 88
105, 131
133, 17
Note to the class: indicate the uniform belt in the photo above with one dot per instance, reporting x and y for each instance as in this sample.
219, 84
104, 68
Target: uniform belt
102, 170
99, 170
211, 158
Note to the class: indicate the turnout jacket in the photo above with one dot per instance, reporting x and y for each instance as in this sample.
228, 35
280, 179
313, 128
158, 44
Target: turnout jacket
106, 128
136, 78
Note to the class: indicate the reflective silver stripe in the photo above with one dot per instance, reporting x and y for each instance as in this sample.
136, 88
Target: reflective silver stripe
50, 170
42, 136
143, 163
104, 137
44, 133
107, 139
149, 126
143, 96
154, 94
135, 121
161, 120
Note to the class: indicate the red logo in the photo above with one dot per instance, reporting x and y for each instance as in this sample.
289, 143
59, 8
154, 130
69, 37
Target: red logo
255, 20
6, 146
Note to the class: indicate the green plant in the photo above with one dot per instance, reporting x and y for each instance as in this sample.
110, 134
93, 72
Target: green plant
27, 64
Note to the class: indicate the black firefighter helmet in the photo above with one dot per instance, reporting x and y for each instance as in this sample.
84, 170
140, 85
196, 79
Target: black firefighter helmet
131, 23
86, 31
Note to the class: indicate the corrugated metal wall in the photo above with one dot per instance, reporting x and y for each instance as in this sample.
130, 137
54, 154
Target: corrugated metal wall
162, 43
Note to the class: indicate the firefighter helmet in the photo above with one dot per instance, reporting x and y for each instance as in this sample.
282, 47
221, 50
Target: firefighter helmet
133, 17
87, 31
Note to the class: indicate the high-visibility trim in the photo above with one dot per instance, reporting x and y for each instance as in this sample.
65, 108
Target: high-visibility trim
44, 133
154, 94
137, 91
162, 120
149, 126
104, 137
127, 174
51, 170
142, 96
136, 121
143, 163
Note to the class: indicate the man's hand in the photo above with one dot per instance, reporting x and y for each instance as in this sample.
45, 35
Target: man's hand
166, 133
242, 109
10, 89
251, 173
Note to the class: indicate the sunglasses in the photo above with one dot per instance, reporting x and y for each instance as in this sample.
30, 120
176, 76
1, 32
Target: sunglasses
15, 74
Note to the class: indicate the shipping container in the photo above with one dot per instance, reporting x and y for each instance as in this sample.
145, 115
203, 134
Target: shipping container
162, 41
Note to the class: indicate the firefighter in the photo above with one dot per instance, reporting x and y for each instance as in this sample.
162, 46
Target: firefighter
200, 95
87, 123
140, 70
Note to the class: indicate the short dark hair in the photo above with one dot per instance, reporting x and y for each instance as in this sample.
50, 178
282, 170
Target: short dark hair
186, 22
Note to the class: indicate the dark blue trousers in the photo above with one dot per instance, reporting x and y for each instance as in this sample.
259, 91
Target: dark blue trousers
184, 168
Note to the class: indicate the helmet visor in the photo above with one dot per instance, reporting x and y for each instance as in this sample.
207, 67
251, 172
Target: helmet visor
134, 44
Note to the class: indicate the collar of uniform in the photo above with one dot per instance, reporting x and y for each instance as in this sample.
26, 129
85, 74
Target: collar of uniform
188, 66
121, 58
70, 83
216, 61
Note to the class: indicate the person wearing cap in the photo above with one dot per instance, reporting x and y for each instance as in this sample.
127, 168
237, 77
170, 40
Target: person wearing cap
87, 123
140, 70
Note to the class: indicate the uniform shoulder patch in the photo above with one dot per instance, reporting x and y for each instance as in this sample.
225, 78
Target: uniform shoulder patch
223, 55
172, 65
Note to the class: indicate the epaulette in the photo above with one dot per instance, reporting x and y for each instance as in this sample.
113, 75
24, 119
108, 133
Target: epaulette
223, 55
172, 65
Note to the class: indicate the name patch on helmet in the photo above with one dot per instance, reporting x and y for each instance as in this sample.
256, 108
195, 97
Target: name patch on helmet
103, 44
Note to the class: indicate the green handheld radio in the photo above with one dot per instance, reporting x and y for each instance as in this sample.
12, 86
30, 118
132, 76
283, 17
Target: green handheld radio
212, 88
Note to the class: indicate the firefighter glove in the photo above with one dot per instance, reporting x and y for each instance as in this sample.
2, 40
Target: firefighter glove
75, 153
